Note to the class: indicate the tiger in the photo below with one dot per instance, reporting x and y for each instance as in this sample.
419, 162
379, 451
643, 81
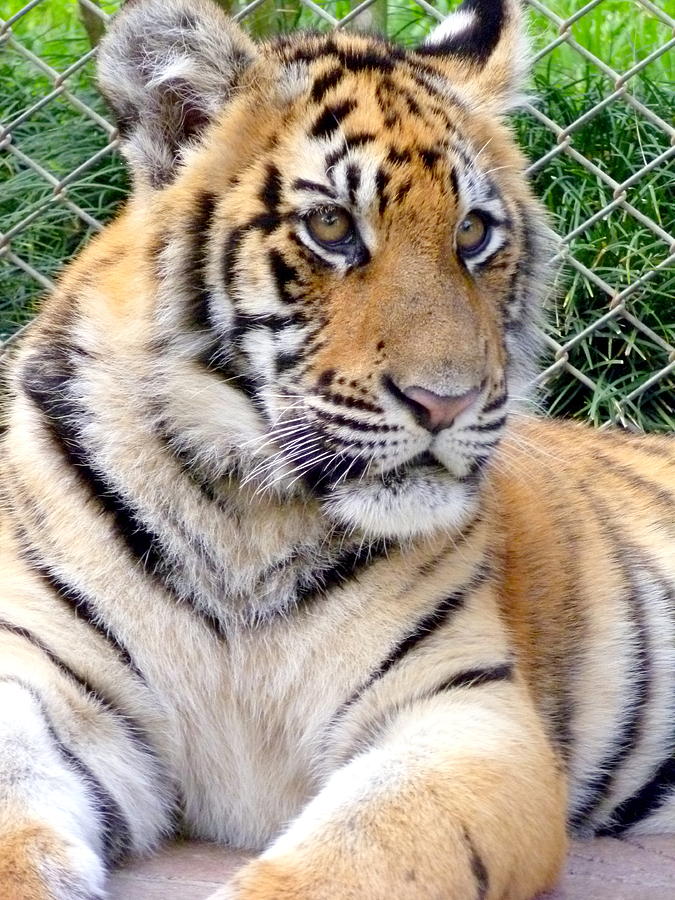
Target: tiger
288, 563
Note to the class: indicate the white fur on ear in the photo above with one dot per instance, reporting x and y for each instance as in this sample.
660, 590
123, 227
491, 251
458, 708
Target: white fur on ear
453, 27
167, 68
483, 46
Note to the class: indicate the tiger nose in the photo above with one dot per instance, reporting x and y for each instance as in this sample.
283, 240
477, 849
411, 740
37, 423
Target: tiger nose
435, 411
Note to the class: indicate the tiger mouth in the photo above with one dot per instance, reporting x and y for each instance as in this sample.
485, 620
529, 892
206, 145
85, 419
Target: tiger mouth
320, 479
424, 460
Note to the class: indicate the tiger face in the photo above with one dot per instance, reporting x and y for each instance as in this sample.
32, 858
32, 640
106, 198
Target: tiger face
344, 236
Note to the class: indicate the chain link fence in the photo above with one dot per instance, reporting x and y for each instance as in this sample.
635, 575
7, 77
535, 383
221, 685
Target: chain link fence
598, 134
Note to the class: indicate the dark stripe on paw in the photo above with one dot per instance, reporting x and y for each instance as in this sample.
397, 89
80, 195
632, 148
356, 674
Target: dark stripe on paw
478, 867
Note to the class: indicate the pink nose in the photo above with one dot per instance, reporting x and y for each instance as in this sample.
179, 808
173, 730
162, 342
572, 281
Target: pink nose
434, 411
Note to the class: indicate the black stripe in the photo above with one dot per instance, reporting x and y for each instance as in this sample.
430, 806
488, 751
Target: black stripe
427, 625
496, 403
429, 157
475, 678
632, 476
325, 82
490, 426
330, 119
270, 193
334, 158
266, 223
337, 419
398, 157
524, 268
382, 180
115, 831
434, 620
302, 184
363, 60
286, 361
624, 558
454, 183
478, 867
360, 138
49, 392
216, 361
134, 731
661, 785
231, 254
81, 606
403, 191
245, 322
651, 796
345, 568
50, 395
353, 175
63, 667
321, 477
196, 230
412, 104
352, 402
284, 274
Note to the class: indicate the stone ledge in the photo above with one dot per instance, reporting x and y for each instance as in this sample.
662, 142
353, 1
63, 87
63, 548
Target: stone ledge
602, 869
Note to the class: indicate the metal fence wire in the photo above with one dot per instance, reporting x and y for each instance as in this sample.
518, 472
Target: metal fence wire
58, 156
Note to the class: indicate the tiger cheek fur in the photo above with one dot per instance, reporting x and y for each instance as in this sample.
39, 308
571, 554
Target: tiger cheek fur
283, 565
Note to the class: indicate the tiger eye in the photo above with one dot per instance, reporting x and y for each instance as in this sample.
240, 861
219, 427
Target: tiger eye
330, 225
472, 233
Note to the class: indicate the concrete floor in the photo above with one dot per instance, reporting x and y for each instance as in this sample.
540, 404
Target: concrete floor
603, 869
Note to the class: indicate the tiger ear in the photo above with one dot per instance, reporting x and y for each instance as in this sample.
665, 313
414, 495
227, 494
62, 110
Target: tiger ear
482, 47
167, 67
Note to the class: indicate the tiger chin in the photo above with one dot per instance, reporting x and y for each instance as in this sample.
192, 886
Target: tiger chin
283, 567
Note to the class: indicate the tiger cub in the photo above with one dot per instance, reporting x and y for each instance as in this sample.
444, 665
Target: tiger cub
282, 567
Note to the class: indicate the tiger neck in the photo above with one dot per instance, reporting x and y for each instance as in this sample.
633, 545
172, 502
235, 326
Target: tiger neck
238, 552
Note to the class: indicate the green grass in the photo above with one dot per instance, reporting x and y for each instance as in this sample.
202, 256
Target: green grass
618, 358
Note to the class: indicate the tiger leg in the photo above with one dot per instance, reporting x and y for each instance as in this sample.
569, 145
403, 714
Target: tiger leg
77, 790
460, 797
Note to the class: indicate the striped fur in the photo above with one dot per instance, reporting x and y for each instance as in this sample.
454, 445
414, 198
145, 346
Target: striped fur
248, 594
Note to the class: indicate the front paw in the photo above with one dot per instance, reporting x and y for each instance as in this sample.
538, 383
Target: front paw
267, 879
36, 863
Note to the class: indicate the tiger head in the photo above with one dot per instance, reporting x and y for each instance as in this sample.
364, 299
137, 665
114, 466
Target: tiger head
344, 243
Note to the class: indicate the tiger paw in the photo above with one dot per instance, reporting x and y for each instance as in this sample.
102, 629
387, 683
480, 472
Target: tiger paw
36, 863
265, 879
336, 878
